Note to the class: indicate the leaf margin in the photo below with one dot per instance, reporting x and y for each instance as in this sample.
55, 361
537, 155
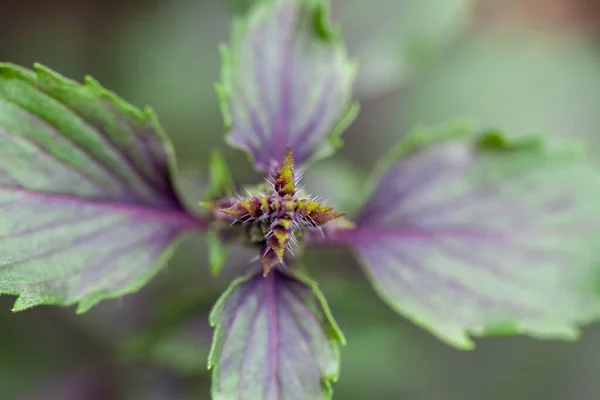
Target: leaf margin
324, 29
422, 138
334, 331
32, 77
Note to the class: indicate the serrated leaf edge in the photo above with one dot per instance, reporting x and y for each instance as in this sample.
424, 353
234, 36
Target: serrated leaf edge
148, 114
31, 77
419, 139
327, 32
336, 333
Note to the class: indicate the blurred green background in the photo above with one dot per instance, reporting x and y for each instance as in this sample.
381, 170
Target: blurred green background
525, 66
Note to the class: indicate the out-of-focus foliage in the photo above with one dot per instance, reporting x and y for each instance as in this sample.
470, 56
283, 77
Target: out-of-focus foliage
164, 53
392, 40
522, 83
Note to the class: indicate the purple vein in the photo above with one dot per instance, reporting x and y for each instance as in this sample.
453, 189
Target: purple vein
452, 284
54, 132
67, 246
246, 296
295, 316
49, 155
255, 122
415, 188
475, 259
263, 86
272, 304
283, 119
109, 145
488, 190
119, 250
314, 120
123, 156
263, 83
51, 225
116, 253
374, 234
173, 216
249, 338
394, 284
169, 237
395, 195
143, 146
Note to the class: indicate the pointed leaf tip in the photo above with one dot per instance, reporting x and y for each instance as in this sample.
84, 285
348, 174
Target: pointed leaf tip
88, 205
286, 83
285, 177
246, 208
274, 338
269, 259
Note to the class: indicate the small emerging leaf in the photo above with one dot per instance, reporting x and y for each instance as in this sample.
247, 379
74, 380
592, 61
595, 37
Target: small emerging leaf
218, 251
464, 239
88, 207
275, 338
286, 83
221, 184
276, 216
285, 176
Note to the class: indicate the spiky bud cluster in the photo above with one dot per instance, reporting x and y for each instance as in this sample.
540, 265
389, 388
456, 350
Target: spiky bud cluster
281, 213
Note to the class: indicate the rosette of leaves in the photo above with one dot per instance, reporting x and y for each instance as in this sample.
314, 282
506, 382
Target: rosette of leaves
463, 232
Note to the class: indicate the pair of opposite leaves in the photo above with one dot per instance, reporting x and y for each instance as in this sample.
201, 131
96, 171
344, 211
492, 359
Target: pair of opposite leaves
460, 235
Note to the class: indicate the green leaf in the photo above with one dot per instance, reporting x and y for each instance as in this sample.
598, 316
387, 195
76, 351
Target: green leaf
466, 240
274, 338
393, 40
286, 83
218, 251
221, 183
88, 206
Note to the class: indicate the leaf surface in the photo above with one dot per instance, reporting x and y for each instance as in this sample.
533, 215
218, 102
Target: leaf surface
286, 82
88, 206
275, 338
483, 237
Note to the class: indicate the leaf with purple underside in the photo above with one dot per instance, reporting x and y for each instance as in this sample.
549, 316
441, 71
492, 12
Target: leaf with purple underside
286, 82
88, 206
274, 338
483, 237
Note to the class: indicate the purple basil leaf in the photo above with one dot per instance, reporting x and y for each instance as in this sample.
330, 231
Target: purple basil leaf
275, 338
499, 239
88, 208
286, 82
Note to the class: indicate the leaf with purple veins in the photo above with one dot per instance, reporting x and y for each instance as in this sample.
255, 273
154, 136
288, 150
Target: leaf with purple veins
286, 83
88, 206
483, 238
275, 338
